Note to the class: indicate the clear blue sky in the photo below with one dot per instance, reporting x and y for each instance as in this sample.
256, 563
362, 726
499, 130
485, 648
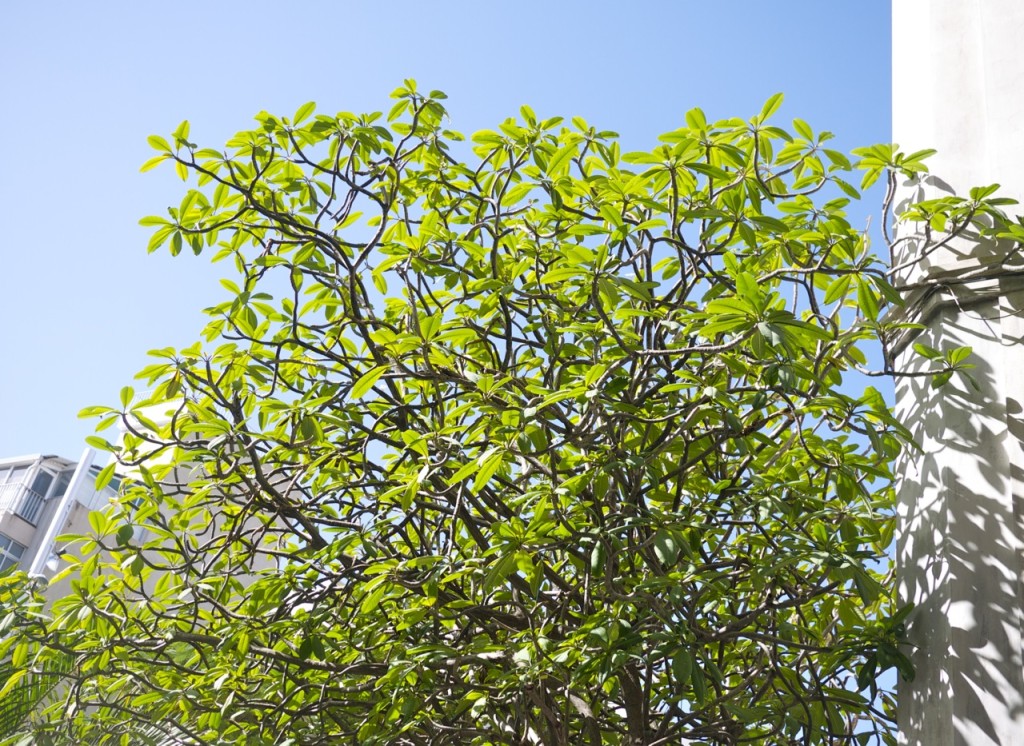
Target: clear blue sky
83, 84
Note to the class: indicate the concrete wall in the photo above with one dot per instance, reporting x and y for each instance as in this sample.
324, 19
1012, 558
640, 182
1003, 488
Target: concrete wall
958, 86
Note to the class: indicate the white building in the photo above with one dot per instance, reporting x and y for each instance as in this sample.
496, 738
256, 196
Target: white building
41, 498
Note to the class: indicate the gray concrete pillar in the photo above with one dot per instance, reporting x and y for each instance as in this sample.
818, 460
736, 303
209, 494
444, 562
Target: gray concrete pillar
958, 86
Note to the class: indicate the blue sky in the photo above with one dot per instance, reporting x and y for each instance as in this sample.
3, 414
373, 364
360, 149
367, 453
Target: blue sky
83, 84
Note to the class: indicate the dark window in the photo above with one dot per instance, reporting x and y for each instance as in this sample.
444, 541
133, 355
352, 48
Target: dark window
10, 552
42, 482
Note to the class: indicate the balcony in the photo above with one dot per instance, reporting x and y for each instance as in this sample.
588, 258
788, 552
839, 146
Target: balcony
22, 500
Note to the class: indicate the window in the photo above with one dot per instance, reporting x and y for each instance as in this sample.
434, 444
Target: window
62, 483
30, 505
12, 482
10, 552
21, 498
27, 498
41, 484
14, 474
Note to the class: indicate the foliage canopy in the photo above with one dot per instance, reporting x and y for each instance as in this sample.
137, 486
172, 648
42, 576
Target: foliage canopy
548, 443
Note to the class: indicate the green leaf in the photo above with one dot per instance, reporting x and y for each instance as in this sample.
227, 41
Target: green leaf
559, 164
489, 464
181, 134
153, 162
695, 119
867, 299
488, 137
870, 177
920, 155
958, 355
866, 674
398, 109
868, 588
847, 188
516, 193
14, 677
560, 274
105, 475
98, 443
770, 106
98, 522
925, 351
499, 571
125, 535
700, 687
366, 381
376, 590
158, 143
803, 129
838, 288
463, 471
682, 665
303, 112
665, 548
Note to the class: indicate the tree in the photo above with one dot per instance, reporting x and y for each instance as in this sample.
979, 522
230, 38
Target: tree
546, 443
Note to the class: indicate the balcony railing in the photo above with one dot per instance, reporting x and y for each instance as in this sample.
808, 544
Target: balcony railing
22, 500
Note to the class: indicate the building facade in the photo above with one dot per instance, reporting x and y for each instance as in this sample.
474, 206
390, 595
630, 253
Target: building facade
41, 498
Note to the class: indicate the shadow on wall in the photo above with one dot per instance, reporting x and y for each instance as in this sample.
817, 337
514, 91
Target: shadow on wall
960, 521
